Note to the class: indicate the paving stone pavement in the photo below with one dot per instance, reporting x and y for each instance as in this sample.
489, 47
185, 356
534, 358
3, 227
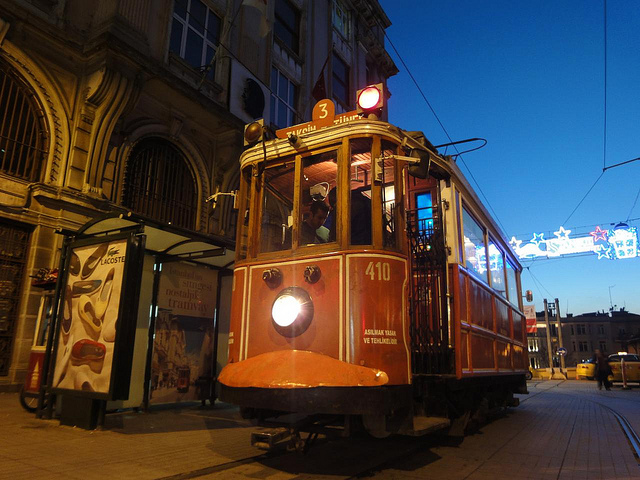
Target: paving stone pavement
562, 430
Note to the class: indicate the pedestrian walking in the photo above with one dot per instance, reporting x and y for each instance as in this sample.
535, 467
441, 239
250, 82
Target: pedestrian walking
603, 370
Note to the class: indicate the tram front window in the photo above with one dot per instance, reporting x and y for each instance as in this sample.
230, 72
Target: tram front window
277, 207
360, 183
317, 217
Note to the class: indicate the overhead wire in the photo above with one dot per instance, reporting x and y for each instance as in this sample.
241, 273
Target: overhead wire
633, 206
459, 155
583, 198
604, 146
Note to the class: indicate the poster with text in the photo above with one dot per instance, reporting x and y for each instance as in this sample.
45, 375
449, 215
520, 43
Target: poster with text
88, 319
183, 342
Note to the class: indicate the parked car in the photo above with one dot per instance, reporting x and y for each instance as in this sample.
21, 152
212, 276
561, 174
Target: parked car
586, 369
632, 367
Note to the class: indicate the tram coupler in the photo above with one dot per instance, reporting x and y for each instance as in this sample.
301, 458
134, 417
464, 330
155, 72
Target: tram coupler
269, 438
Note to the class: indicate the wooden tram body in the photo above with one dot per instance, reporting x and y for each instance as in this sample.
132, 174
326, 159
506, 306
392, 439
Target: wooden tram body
401, 325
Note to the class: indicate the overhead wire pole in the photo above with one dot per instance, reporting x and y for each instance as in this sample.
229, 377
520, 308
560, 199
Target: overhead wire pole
546, 322
560, 344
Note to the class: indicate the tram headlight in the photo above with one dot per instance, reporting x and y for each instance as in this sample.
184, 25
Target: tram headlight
292, 311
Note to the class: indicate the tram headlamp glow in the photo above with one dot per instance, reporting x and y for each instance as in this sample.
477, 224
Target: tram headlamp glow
292, 311
285, 310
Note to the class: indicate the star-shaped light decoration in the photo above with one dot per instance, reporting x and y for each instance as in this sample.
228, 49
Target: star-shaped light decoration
605, 252
538, 238
562, 234
599, 234
515, 243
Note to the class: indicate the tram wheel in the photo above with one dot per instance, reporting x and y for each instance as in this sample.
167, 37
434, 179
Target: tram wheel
29, 402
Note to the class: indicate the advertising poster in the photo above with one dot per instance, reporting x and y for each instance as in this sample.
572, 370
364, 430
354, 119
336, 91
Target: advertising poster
88, 319
183, 342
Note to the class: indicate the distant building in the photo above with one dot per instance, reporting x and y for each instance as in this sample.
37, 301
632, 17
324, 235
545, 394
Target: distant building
610, 332
120, 105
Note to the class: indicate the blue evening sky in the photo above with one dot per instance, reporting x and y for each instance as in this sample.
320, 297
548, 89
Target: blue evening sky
529, 76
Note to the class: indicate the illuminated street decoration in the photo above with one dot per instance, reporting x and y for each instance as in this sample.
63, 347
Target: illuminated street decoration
618, 243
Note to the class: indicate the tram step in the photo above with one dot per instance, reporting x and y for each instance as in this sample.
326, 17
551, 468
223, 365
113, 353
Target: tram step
268, 438
424, 425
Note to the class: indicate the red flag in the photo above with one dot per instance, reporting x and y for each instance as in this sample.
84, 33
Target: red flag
319, 90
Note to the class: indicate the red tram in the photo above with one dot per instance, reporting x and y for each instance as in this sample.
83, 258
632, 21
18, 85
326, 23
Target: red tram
370, 282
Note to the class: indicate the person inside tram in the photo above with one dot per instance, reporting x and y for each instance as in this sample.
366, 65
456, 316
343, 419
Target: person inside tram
312, 230
360, 217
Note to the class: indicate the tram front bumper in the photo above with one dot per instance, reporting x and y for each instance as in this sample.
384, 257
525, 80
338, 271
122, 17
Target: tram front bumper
298, 369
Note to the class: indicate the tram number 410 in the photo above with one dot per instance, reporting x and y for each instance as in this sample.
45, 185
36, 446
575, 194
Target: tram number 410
379, 271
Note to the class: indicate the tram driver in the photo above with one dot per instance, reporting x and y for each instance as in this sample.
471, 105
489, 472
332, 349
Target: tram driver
312, 230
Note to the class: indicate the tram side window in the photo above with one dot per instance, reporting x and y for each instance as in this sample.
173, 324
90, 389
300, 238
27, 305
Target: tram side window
277, 207
317, 217
512, 284
360, 185
475, 253
496, 267
388, 196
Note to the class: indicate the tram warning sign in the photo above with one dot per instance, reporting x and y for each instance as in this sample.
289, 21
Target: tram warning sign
562, 351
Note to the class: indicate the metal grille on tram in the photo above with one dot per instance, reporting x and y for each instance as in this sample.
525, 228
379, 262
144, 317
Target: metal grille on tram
429, 329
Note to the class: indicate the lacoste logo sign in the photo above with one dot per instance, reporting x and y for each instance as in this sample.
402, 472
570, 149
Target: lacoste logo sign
113, 256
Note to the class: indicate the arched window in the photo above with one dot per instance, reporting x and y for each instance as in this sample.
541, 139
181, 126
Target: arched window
23, 133
159, 184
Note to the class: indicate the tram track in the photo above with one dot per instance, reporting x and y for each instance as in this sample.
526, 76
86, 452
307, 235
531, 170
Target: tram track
409, 450
632, 436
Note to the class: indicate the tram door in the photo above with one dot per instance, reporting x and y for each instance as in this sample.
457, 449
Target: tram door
429, 320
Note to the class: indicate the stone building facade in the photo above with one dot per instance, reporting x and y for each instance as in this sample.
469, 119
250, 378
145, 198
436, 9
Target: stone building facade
609, 331
139, 105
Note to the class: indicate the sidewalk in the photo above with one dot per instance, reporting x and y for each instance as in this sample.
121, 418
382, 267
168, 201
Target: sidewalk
131, 445
561, 430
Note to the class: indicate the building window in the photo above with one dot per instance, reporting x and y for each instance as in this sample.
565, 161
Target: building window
603, 346
287, 25
23, 134
583, 346
601, 329
283, 99
581, 329
574, 346
341, 19
159, 184
340, 81
195, 34
572, 330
